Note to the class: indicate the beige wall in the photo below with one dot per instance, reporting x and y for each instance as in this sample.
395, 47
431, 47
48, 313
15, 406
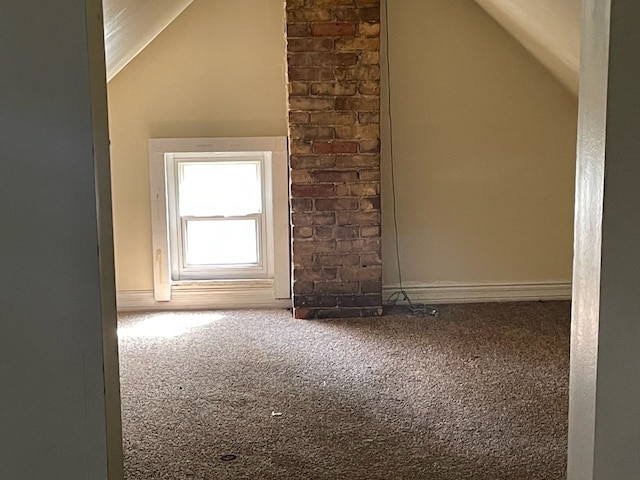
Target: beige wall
484, 148
215, 71
484, 136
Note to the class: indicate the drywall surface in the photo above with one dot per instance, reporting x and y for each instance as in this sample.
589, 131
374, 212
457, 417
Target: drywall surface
52, 386
484, 151
484, 136
130, 25
549, 29
217, 71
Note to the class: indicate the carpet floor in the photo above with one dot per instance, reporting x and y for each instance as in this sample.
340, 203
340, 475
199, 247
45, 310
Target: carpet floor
479, 392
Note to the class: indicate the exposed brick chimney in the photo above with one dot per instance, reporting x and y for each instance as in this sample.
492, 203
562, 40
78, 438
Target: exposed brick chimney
333, 55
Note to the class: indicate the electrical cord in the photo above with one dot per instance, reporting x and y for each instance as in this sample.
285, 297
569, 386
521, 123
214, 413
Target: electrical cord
400, 294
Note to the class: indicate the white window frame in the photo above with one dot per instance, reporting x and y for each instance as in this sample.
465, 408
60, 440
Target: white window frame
273, 274
180, 271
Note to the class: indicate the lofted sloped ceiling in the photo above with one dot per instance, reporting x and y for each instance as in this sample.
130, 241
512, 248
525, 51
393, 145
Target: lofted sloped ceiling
549, 29
130, 25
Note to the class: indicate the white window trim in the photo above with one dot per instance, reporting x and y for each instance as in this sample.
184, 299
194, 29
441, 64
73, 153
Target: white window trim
265, 267
277, 175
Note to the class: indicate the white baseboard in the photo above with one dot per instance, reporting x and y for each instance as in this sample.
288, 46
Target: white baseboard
479, 293
190, 297
203, 298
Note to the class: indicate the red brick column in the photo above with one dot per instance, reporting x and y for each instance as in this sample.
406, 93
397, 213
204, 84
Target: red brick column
333, 52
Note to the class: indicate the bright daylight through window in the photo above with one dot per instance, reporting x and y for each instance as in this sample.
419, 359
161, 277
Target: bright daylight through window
220, 216
216, 214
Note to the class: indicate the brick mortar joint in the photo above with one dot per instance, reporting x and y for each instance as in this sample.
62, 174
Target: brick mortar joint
334, 88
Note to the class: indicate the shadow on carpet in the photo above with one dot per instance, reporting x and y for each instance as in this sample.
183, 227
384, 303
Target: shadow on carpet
480, 392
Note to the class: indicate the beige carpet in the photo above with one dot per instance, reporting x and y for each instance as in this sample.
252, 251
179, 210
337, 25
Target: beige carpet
479, 392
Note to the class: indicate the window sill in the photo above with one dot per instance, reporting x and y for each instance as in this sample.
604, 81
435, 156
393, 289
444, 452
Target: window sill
222, 284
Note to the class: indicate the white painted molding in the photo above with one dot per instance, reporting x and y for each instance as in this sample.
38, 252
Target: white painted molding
277, 208
227, 295
222, 295
480, 293
277, 202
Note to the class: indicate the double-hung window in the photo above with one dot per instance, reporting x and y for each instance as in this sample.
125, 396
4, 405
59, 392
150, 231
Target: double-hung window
218, 227
220, 213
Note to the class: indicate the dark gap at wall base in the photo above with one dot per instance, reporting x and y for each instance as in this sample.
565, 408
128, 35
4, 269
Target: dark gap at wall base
333, 57
337, 312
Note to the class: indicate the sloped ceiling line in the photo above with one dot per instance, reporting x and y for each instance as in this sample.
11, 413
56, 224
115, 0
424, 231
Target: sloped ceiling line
548, 29
131, 25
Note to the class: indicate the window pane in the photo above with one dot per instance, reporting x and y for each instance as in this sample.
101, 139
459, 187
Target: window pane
222, 242
209, 189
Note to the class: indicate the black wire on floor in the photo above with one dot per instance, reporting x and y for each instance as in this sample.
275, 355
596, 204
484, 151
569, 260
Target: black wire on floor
400, 294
